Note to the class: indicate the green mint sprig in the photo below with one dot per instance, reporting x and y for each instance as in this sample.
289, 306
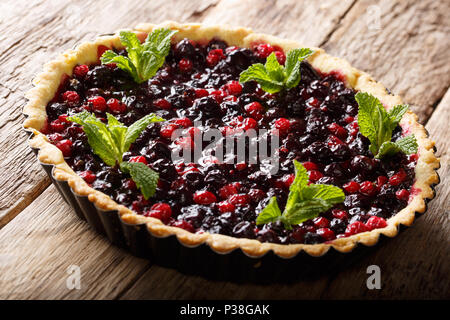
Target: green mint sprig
377, 124
304, 201
273, 77
111, 140
145, 59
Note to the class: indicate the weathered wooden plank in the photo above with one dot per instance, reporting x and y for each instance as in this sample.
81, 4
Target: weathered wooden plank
40, 33
308, 22
403, 44
415, 264
162, 283
39, 245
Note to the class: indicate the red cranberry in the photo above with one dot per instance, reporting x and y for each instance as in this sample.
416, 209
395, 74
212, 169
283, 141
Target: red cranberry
368, 188
218, 95
310, 166
55, 137
57, 125
183, 122
162, 104
381, 180
337, 130
225, 206
281, 57
288, 179
98, 103
255, 110
71, 97
339, 214
233, 87
375, 222
214, 56
239, 199
138, 159
115, 106
326, 233
66, 147
349, 119
183, 225
264, 50
185, 142
200, 93
185, 65
80, 71
167, 130
227, 191
161, 211
256, 195
240, 166
402, 195
397, 178
355, 227
283, 125
315, 175
321, 222
351, 187
88, 176
204, 197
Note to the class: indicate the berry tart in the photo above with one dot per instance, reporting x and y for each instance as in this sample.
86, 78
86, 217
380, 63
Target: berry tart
354, 163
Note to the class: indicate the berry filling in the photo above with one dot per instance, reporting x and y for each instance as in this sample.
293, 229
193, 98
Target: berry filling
316, 122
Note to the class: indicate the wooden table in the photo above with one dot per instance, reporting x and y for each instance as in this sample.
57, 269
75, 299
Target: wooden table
403, 44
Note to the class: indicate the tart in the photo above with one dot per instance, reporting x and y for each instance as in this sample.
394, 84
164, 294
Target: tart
217, 203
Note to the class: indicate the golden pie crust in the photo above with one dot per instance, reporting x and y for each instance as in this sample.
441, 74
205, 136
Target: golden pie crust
46, 85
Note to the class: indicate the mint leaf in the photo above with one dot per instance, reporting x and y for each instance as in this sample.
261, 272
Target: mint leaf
304, 201
122, 62
136, 128
293, 61
329, 193
118, 131
270, 213
377, 125
407, 145
257, 72
273, 77
304, 210
143, 60
99, 137
145, 178
396, 114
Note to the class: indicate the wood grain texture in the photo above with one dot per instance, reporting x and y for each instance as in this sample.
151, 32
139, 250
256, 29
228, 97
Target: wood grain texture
308, 22
42, 30
407, 48
40, 244
409, 53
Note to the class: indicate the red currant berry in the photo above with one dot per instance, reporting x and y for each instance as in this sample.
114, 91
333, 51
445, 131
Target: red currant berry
310, 166
402, 195
368, 188
233, 87
98, 103
227, 191
57, 125
263, 50
337, 130
355, 227
339, 214
185, 65
88, 176
71, 97
162, 104
375, 222
138, 159
351, 187
66, 147
200, 93
254, 110
183, 225
80, 71
281, 57
115, 106
321, 222
326, 234
315, 175
204, 197
283, 125
167, 130
214, 56
239, 199
225, 206
183, 122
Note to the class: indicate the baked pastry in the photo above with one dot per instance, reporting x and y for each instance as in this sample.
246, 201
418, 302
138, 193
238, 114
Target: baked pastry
310, 101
